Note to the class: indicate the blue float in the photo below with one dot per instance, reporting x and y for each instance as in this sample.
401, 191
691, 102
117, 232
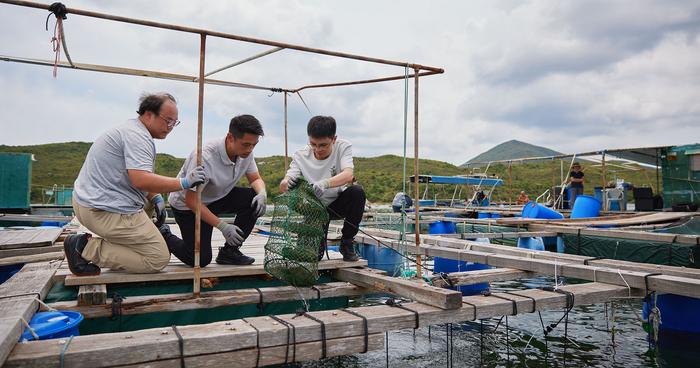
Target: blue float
678, 313
585, 206
442, 227
531, 243
382, 258
52, 325
536, 210
483, 215
450, 265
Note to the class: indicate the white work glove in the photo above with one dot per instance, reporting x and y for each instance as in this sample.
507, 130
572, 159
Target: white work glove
159, 205
232, 233
193, 178
259, 204
320, 187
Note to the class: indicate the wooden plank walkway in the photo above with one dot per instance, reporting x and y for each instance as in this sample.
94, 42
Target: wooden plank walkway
22, 238
176, 270
255, 340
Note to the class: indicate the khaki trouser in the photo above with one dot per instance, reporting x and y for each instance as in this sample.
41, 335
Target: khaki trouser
130, 243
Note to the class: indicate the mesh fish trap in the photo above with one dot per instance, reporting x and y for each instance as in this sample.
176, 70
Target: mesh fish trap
291, 252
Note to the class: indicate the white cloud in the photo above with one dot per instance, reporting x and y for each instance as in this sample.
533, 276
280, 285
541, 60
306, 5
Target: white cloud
572, 76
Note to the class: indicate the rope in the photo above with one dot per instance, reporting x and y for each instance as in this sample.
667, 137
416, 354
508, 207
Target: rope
257, 342
261, 304
116, 306
323, 333
181, 345
364, 326
629, 289
290, 330
31, 330
35, 295
59, 11
63, 351
318, 292
515, 304
534, 301
646, 284
586, 261
393, 303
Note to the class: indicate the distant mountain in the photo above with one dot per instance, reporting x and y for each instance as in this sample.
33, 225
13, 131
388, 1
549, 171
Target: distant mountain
511, 150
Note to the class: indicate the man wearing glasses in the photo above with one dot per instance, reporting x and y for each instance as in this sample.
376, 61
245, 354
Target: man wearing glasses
225, 161
328, 166
115, 184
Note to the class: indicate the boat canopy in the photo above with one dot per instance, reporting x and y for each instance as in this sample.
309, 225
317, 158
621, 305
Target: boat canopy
459, 180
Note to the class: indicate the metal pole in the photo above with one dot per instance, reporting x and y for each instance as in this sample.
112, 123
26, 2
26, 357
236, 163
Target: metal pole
198, 210
205, 32
510, 183
286, 153
658, 187
604, 192
419, 270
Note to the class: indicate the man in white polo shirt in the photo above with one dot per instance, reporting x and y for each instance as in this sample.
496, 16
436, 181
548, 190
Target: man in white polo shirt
327, 164
225, 162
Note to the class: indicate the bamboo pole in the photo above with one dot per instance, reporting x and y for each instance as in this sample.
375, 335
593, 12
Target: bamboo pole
286, 139
419, 270
198, 211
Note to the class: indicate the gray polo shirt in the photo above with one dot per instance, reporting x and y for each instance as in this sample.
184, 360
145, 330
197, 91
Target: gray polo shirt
222, 173
103, 182
305, 164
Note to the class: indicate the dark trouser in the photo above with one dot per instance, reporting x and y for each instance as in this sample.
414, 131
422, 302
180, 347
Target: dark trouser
573, 193
237, 201
350, 205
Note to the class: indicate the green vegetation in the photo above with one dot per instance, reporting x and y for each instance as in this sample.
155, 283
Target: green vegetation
59, 163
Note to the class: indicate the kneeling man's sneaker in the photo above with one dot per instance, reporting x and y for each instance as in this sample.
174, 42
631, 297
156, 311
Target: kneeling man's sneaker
347, 249
230, 255
73, 247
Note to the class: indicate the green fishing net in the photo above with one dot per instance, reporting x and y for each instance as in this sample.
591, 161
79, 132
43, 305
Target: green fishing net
291, 252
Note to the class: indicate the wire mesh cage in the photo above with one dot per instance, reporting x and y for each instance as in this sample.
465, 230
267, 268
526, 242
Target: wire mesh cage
298, 220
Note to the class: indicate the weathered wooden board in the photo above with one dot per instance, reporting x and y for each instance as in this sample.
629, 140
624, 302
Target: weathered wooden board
420, 292
18, 301
5, 253
616, 276
211, 299
32, 258
619, 234
559, 257
241, 336
39, 237
479, 276
92, 295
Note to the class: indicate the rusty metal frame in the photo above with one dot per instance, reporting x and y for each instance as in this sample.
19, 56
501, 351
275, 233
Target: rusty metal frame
201, 80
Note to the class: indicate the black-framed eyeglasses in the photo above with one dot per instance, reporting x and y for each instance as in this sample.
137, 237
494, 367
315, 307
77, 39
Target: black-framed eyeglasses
171, 122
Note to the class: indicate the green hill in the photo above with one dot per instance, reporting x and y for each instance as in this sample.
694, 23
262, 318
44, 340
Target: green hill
511, 150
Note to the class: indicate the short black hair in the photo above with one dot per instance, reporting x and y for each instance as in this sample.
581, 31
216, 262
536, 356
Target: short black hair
242, 124
576, 164
321, 127
153, 101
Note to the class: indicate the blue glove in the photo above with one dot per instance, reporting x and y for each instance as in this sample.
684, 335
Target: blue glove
193, 178
161, 213
259, 204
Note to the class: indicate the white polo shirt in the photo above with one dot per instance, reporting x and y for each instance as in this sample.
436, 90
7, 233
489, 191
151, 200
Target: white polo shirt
222, 173
312, 169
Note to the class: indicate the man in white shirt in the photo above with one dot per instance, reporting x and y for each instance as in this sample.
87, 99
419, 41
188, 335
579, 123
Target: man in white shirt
112, 193
327, 165
225, 161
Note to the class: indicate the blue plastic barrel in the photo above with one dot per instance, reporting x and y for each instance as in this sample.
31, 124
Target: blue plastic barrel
678, 313
51, 325
495, 215
531, 243
442, 227
585, 206
482, 215
536, 210
450, 265
381, 258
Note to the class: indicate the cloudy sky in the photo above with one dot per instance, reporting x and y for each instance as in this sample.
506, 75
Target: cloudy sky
573, 76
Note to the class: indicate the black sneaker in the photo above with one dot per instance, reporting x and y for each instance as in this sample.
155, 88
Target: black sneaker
73, 247
230, 255
347, 249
